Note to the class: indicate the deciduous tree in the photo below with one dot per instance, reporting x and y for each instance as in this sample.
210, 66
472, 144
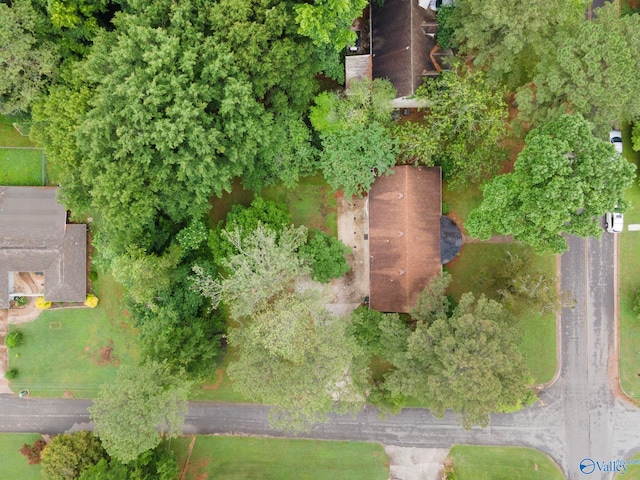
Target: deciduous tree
326, 256
356, 141
69, 454
587, 68
27, 62
468, 361
145, 404
508, 38
462, 129
312, 367
265, 266
564, 180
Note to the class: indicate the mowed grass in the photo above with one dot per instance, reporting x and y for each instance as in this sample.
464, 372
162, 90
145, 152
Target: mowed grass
75, 350
502, 463
471, 272
220, 387
21, 166
633, 470
9, 136
311, 203
629, 264
246, 458
13, 464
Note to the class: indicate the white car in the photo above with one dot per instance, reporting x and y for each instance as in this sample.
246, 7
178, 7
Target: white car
615, 137
614, 222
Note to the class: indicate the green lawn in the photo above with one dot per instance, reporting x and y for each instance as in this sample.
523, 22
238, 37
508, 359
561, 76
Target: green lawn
21, 166
502, 463
310, 203
220, 387
9, 136
633, 470
238, 458
13, 464
75, 350
470, 272
629, 263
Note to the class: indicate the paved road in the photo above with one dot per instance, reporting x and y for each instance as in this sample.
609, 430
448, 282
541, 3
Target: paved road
578, 417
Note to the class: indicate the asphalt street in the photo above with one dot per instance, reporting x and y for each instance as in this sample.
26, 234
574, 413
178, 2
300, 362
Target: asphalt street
578, 417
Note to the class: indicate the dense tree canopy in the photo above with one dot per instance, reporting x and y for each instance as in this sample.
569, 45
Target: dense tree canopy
564, 180
461, 130
467, 361
27, 62
69, 454
129, 412
265, 265
509, 37
357, 145
220, 90
591, 70
312, 367
156, 464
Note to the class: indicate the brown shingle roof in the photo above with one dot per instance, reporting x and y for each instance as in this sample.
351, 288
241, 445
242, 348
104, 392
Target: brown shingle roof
404, 236
399, 46
34, 237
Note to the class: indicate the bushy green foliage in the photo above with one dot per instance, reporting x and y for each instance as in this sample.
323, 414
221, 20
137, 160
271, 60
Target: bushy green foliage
635, 136
27, 61
146, 396
466, 360
69, 454
509, 39
567, 80
446, 26
156, 464
192, 236
354, 129
265, 265
271, 215
462, 129
380, 334
556, 186
180, 327
11, 374
14, 339
326, 255
312, 366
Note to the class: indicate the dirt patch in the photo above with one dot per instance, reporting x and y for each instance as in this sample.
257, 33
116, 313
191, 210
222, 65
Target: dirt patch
105, 355
68, 394
218, 382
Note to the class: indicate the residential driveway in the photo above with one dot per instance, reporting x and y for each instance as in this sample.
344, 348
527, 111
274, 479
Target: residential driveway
578, 417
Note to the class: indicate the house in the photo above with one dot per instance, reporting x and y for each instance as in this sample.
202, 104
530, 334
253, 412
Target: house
404, 236
402, 48
35, 237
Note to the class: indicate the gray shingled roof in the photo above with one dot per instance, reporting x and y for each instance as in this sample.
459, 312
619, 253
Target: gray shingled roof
399, 46
34, 237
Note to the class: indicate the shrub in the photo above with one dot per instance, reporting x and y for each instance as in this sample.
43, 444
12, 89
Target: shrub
326, 256
91, 301
11, 374
93, 275
21, 301
14, 339
32, 452
635, 136
446, 27
445, 208
42, 304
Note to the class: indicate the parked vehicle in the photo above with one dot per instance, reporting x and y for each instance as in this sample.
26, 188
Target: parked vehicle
615, 137
614, 222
